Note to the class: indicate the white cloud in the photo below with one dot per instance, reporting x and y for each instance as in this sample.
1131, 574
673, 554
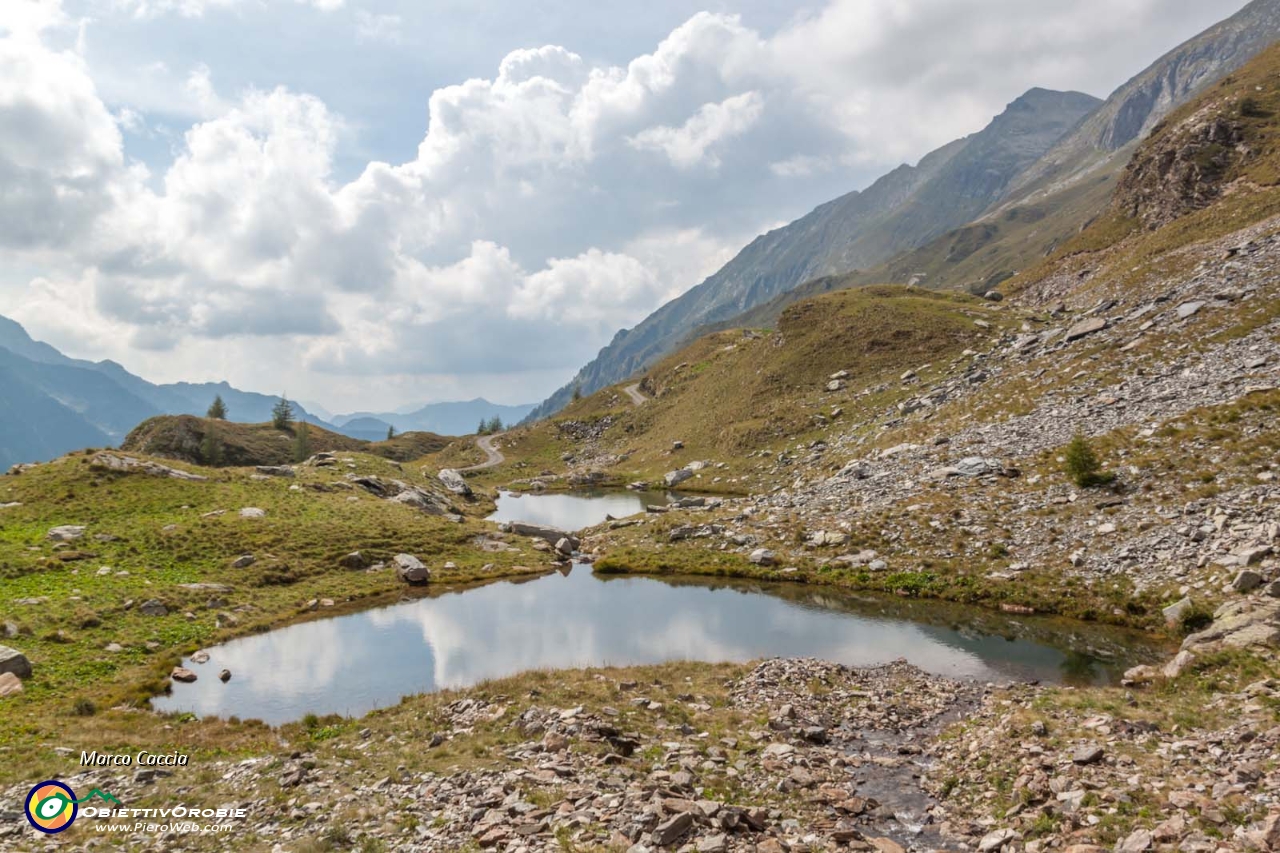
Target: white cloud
690, 144
546, 205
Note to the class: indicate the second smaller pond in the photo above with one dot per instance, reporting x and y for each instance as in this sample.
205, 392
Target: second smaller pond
577, 509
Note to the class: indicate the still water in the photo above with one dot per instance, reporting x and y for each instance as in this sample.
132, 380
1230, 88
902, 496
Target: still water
454, 638
577, 509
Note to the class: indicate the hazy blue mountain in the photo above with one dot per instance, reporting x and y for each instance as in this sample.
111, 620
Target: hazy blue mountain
55, 403
367, 428
35, 426
455, 418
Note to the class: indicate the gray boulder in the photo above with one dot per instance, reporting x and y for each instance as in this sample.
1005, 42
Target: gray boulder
454, 482
14, 661
66, 533
355, 561
1174, 612
276, 470
410, 569
1247, 581
762, 557
675, 478
1084, 328
153, 607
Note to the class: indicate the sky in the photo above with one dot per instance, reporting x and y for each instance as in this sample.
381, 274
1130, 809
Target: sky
371, 204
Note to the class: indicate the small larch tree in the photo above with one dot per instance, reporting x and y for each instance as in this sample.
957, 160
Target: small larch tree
217, 409
301, 442
391, 433
282, 413
1082, 464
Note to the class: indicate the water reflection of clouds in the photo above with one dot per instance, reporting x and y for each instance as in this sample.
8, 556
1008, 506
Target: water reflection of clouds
353, 663
572, 512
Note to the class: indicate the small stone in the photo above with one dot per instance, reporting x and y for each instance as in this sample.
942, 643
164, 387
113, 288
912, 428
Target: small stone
244, 561
66, 533
182, 674
10, 684
995, 840
224, 676
1088, 754
1136, 842
354, 561
153, 607
253, 512
762, 557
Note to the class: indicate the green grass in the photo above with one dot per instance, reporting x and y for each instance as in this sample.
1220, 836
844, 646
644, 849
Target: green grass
160, 539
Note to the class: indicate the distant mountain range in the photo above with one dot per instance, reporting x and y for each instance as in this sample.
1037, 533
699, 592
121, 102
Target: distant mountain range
51, 404
938, 213
459, 418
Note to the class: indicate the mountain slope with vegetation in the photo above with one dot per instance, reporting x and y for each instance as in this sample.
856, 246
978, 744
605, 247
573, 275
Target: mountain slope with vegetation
907, 207
204, 441
972, 215
1102, 443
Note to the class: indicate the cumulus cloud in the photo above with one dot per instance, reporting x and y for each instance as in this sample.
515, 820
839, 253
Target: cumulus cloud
546, 206
691, 144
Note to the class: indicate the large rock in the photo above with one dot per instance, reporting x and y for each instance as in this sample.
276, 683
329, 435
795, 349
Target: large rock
66, 533
762, 557
421, 499
276, 470
1085, 327
675, 478
253, 512
132, 465
535, 531
1240, 624
410, 569
182, 674
14, 661
1247, 581
454, 482
1174, 612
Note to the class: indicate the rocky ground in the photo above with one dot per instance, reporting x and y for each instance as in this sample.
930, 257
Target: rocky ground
785, 755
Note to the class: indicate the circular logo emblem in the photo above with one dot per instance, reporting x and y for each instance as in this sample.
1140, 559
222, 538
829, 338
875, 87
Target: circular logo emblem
51, 807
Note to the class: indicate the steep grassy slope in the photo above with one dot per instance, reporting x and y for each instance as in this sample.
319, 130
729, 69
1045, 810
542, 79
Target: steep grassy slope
185, 438
738, 392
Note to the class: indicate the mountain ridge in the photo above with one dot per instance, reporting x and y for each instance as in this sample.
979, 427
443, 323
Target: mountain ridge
906, 206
